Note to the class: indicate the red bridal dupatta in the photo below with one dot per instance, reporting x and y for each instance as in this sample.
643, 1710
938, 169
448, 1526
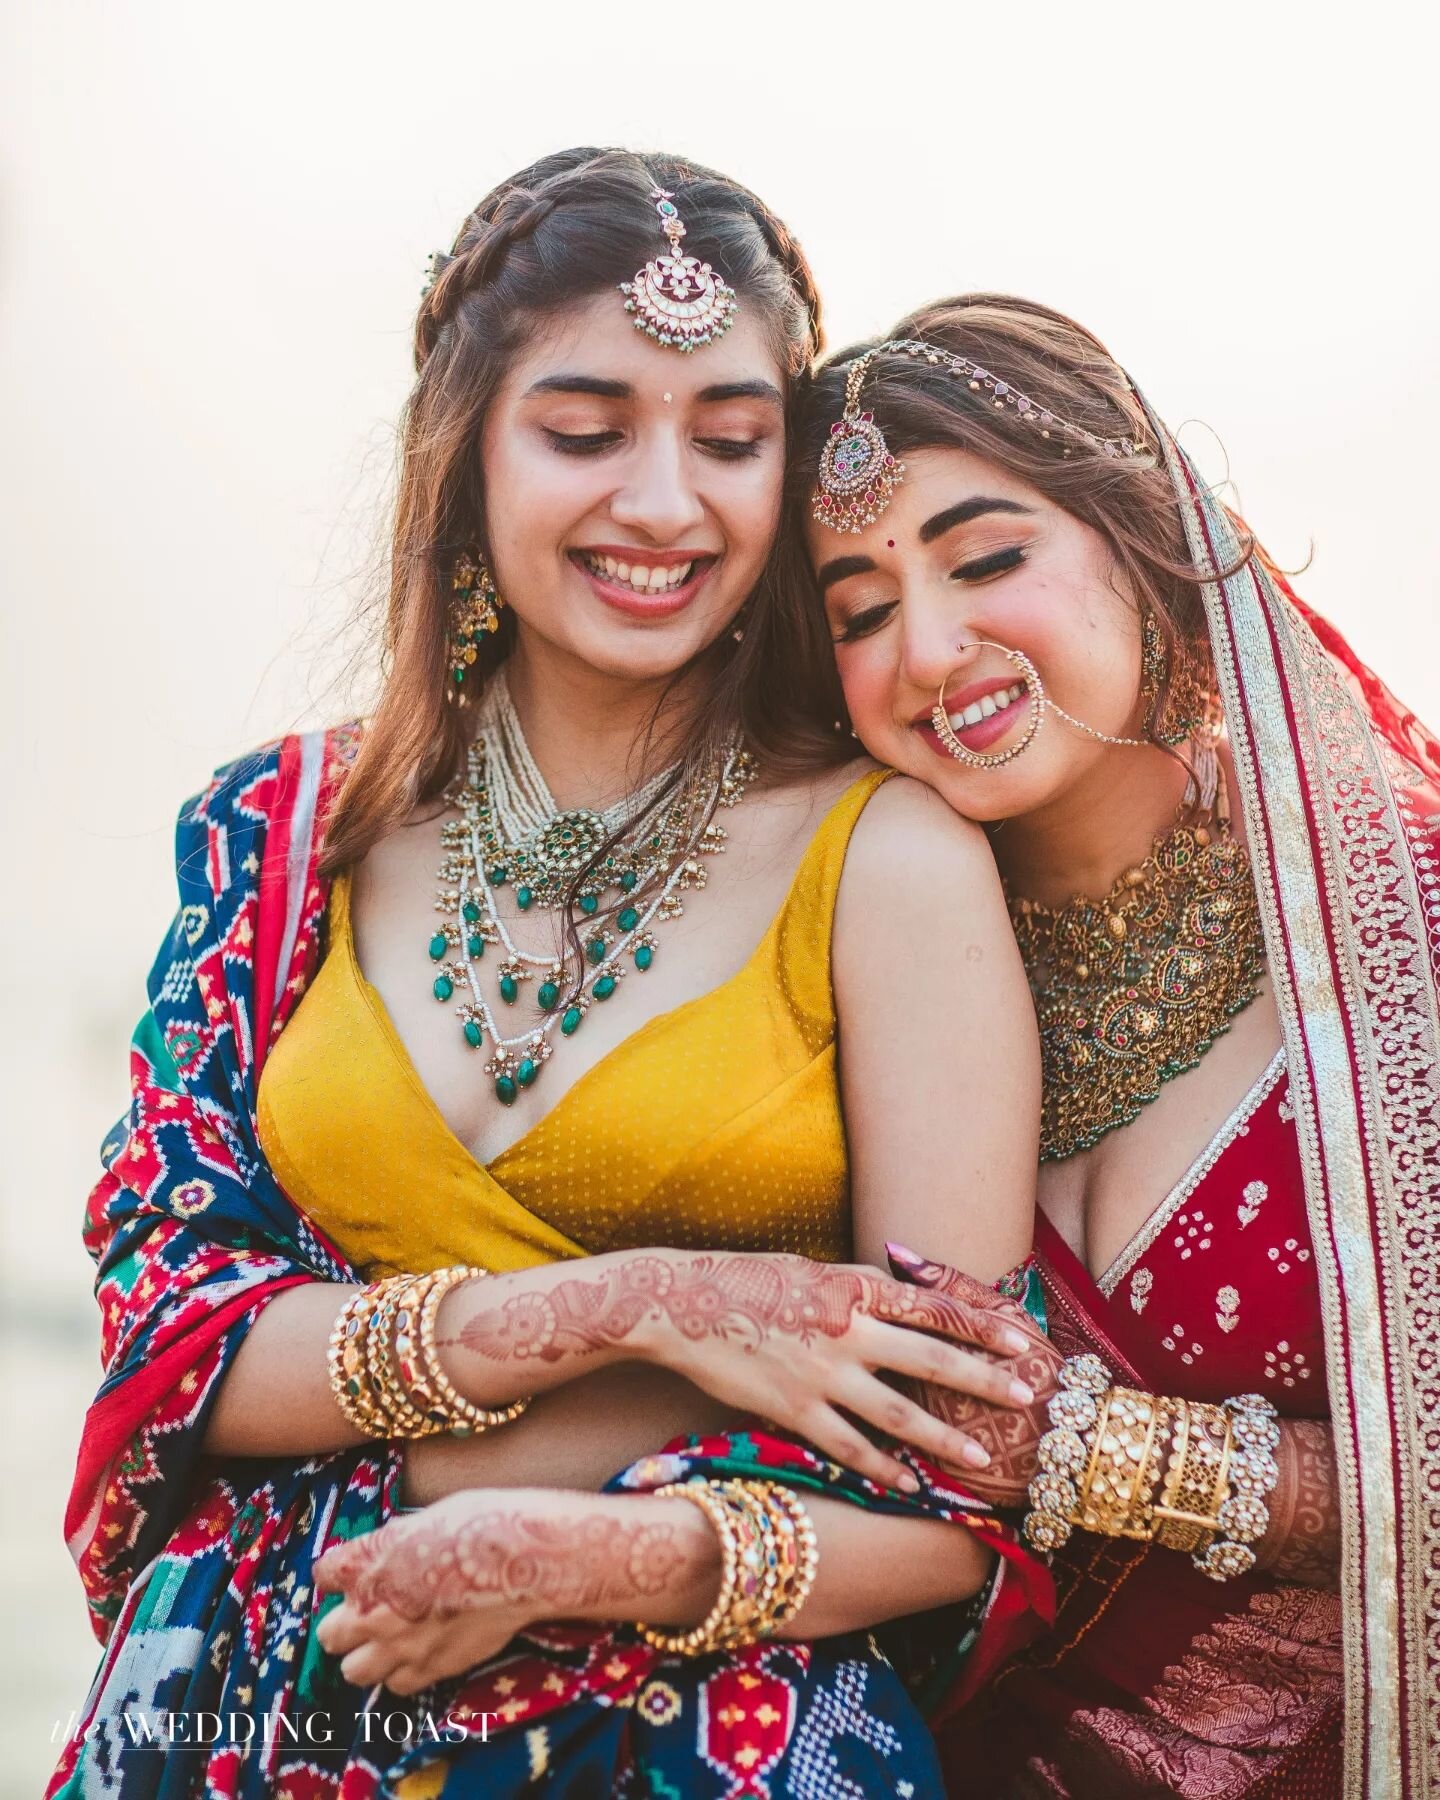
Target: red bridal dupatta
1340, 787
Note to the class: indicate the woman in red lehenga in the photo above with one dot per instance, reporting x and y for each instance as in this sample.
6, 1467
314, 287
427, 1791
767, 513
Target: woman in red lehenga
1039, 610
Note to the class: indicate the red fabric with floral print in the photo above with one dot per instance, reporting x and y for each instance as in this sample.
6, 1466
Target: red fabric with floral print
1220, 1280
1156, 1679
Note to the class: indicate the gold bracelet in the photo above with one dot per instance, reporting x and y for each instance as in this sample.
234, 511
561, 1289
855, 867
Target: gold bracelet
1186, 1517
708, 1635
1109, 1498
401, 1292
797, 1552
345, 1361
1067, 1452
431, 1388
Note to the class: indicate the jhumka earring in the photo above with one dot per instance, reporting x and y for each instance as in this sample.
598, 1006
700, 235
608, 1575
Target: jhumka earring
857, 472
474, 614
1189, 705
676, 299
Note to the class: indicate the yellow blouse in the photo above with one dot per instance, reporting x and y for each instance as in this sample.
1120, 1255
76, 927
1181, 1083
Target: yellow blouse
716, 1125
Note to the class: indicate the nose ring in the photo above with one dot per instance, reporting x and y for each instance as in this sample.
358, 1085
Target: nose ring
978, 759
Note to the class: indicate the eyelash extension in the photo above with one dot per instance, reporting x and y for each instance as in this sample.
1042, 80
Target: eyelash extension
731, 449
582, 443
865, 622
985, 566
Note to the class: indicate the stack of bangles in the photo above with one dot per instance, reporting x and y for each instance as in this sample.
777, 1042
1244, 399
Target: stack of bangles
385, 1371
769, 1557
1179, 1473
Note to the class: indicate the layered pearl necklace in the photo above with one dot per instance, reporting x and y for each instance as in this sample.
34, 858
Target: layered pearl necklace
613, 873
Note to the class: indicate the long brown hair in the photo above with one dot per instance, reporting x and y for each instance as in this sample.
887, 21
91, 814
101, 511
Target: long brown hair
574, 224
1067, 371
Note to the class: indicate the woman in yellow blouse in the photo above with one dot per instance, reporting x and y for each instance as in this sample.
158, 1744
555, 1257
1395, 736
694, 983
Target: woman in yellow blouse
659, 1096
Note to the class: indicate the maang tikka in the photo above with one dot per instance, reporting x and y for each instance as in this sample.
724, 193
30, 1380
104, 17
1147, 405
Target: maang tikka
474, 614
858, 474
677, 299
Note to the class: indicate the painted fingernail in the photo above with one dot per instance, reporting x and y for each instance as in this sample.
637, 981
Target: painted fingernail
977, 1457
1015, 1340
908, 1484
906, 1259
1021, 1394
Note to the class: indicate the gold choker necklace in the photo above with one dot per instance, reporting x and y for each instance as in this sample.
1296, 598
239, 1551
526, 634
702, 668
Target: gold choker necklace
1133, 989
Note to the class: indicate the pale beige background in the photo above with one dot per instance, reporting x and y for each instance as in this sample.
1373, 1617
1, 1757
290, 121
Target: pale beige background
214, 226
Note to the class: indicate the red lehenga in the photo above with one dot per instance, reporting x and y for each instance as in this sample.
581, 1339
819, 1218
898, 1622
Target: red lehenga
1300, 1260
1156, 1680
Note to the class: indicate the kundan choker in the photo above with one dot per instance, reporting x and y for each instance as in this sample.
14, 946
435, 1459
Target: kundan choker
613, 874
1132, 990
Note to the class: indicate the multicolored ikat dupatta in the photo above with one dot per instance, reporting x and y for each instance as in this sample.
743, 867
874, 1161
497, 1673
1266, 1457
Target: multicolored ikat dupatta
198, 1572
1340, 786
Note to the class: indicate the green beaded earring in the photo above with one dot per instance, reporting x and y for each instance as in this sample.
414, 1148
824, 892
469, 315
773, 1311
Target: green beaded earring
474, 613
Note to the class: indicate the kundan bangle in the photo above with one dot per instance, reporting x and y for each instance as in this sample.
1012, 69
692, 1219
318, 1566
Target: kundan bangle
420, 1366
709, 1634
346, 1362
380, 1360
769, 1559
384, 1369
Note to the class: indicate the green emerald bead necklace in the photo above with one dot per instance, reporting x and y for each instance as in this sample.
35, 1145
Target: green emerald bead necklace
613, 874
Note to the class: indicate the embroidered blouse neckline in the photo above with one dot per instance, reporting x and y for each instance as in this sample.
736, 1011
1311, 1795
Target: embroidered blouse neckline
1193, 1176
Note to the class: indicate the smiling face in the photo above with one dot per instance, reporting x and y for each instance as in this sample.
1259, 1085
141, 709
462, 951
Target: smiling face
967, 557
632, 494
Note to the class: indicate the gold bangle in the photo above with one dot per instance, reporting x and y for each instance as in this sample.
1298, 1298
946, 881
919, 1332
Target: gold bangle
1110, 1494
432, 1389
1187, 1515
797, 1552
401, 1292
707, 1635
345, 1361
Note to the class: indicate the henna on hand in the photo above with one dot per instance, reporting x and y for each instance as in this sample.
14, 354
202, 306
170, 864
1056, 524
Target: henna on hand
1302, 1541
435, 1565
1010, 1434
740, 1298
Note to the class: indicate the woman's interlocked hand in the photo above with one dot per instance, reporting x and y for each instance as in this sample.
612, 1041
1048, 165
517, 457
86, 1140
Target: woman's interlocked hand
1010, 1434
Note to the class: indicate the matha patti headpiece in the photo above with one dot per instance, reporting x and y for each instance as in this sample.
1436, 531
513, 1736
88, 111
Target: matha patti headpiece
678, 300
857, 472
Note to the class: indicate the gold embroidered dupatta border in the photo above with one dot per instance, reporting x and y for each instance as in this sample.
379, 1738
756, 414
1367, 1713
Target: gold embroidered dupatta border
1341, 898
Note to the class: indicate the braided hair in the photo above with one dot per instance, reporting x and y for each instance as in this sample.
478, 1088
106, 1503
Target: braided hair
572, 225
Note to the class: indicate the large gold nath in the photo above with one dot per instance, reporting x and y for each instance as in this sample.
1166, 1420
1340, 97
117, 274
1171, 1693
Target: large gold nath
1133, 989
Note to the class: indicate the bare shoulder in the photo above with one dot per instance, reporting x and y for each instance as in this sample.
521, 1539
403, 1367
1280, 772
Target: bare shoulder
907, 830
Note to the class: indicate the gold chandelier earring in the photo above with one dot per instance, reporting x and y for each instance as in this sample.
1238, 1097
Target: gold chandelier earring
474, 615
1190, 704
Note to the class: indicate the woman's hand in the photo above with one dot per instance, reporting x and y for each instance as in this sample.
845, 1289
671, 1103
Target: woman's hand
801, 1343
1010, 1435
435, 1593
791, 1340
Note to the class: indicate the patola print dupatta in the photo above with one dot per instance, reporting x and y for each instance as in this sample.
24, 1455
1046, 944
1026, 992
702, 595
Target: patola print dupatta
1340, 787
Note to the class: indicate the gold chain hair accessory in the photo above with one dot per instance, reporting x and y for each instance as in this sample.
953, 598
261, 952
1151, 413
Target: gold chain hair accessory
858, 474
677, 299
